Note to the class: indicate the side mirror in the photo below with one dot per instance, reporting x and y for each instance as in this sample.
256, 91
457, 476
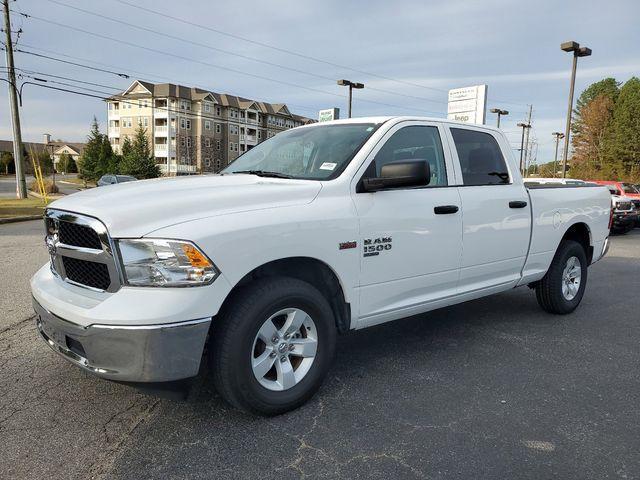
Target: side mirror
415, 173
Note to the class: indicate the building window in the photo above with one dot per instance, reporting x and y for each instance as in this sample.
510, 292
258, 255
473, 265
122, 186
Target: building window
233, 129
182, 141
188, 142
259, 134
207, 161
182, 123
145, 121
217, 144
218, 128
207, 142
126, 122
188, 124
218, 111
207, 124
207, 107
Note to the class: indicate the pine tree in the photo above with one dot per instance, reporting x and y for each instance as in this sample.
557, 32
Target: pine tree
97, 158
623, 140
137, 160
89, 161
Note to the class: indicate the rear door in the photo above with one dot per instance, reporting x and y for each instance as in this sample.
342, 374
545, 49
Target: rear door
409, 254
495, 211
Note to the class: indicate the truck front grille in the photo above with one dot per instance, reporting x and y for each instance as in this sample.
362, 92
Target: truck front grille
83, 272
79, 235
81, 251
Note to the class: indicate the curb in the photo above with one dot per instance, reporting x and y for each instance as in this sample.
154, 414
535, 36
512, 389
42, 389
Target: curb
24, 218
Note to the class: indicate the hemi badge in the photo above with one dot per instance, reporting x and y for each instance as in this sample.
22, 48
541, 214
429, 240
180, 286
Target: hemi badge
346, 245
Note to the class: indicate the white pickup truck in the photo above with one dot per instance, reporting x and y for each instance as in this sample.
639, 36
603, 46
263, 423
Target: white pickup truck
316, 231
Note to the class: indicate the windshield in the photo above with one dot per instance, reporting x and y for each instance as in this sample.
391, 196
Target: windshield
628, 188
319, 152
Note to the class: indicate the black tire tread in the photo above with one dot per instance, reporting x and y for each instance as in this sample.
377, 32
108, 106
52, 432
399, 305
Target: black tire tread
225, 332
549, 289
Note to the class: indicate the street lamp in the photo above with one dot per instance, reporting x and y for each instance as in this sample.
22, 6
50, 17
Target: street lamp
558, 136
351, 85
524, 127
499, 112
578, 51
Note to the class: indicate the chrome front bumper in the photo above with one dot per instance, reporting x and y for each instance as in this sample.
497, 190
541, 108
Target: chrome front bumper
142, 353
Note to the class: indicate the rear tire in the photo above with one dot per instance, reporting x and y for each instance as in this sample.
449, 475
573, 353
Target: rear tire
260, 367
562, 288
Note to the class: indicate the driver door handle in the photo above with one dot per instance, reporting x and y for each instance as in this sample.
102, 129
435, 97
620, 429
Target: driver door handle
445, 209
517, 204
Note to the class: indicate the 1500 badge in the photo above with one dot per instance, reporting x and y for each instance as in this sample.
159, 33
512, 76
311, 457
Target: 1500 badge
374, 246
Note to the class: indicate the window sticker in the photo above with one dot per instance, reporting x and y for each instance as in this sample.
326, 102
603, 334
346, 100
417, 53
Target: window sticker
328, 166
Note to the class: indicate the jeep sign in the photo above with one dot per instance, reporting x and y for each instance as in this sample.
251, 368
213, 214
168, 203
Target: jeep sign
468, 104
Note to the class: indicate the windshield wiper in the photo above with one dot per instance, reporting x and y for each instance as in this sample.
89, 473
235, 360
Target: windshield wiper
265, 173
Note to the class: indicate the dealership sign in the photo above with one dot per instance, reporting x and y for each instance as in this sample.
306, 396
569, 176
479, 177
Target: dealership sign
328, 114
468, 104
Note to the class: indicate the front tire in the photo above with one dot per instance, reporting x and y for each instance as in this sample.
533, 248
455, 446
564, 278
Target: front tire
272, 345
561, 289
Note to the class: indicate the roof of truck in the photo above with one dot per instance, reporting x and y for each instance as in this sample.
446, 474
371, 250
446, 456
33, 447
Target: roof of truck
383, 119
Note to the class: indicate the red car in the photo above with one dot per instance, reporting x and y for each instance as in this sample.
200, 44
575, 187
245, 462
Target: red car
624, 190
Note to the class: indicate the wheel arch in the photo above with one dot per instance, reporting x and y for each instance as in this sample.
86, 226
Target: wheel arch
310, 270
581, 233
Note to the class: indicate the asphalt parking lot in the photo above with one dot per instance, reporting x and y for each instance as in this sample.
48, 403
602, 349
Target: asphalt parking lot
494, 388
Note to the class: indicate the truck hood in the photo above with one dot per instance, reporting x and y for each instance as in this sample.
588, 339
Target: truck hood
135, 209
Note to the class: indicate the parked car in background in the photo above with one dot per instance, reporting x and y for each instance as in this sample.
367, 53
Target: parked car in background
111, 179
625, 215
624, 189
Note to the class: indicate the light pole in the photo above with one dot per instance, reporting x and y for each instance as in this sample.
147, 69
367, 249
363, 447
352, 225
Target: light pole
351, 85
558, 136
524, 127
499, 112
578, 51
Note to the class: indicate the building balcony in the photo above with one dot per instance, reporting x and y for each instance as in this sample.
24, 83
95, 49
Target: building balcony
160, 112
112, 114
164, 130
160, 149
114, 132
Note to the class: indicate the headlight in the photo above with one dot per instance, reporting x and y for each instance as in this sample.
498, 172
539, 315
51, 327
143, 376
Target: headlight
165, 263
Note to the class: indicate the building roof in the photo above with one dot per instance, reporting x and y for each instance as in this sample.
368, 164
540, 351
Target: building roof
194, 93
7, 146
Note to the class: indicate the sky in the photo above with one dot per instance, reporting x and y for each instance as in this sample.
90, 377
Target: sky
407, 53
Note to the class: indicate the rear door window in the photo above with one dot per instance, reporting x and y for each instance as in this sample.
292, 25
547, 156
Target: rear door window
481, 159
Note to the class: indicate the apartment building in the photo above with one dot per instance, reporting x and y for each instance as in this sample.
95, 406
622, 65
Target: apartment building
192, 130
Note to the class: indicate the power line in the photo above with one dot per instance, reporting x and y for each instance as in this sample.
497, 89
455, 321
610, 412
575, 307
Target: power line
32, 72
228, 52
193, 60
290, 52
122, 75
143, 76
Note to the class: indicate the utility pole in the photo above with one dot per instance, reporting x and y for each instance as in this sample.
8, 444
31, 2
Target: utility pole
558, 136
526, 141
21, 184
524, 126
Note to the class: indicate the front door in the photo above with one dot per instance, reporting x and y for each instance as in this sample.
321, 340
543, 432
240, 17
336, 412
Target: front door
410, 255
